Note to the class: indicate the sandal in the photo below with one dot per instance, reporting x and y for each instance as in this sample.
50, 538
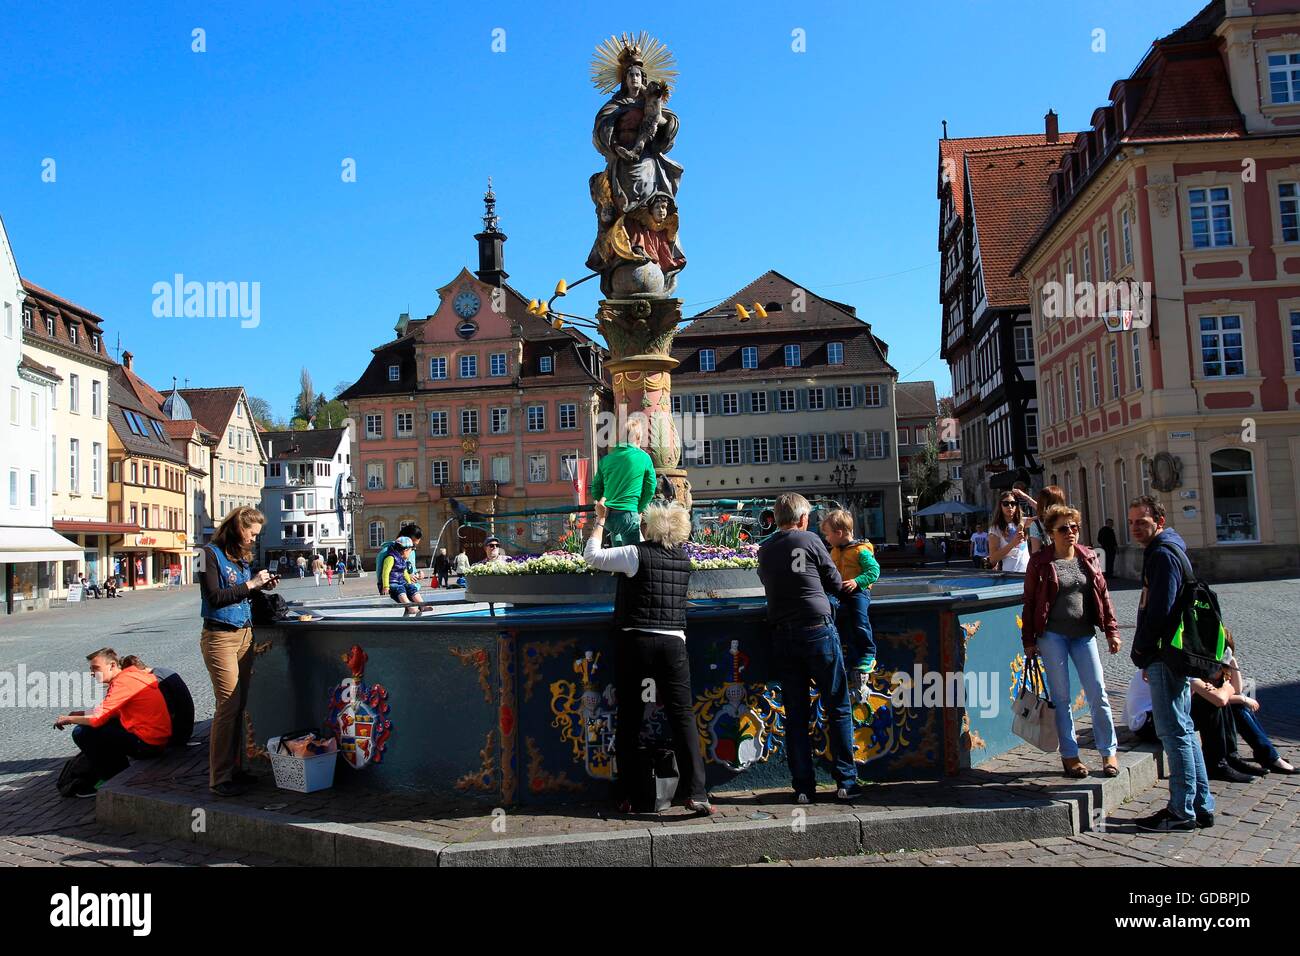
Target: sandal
1076, 770
1110, 769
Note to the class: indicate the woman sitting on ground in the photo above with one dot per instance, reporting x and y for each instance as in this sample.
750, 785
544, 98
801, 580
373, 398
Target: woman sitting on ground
1222, 711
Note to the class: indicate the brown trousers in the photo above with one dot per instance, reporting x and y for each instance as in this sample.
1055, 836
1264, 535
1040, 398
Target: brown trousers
229, 658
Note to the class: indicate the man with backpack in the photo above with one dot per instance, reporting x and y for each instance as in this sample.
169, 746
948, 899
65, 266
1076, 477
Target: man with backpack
1157, 650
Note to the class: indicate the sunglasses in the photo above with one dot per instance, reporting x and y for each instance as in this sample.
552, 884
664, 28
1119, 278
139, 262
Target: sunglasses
1011, 504
1066, 529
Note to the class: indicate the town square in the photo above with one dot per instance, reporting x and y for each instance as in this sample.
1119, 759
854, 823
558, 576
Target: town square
777, 440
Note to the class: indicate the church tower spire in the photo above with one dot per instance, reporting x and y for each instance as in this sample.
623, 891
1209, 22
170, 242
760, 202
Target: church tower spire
491, 242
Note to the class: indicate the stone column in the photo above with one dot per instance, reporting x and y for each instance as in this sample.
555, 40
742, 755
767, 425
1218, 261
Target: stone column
640, 335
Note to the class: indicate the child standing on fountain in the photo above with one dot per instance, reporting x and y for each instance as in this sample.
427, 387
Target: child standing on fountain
625, 478
396, 570
856, 561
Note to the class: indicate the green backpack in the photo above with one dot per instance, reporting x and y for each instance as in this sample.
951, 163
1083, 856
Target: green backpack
1199, 642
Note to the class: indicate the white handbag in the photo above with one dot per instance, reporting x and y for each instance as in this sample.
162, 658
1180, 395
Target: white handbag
1033, 716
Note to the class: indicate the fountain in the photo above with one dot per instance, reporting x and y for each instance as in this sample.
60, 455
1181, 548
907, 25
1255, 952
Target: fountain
516, 704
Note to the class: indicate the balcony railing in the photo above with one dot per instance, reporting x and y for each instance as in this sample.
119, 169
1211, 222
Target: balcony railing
451, 489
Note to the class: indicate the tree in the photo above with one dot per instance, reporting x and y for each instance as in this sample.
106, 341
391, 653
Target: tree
330, 412
304, 406
261, 411
341, 387
946, 407
928, 483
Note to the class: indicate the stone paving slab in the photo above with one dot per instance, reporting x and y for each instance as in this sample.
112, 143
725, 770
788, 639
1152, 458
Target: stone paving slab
1018, 795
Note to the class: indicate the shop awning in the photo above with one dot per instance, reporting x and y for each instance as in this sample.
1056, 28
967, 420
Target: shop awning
19, 545
96, 527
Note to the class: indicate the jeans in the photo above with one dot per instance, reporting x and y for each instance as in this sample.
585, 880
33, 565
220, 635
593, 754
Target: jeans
1249, 730
800, 655
1056, 651
853, 621
1171, 707
622, 527
109, 745
661, 657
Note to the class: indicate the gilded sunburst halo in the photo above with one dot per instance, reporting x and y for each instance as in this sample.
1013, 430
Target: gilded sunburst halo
613, 55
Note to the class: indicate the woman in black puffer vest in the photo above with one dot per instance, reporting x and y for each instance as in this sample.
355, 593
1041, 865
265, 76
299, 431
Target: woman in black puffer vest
650, 614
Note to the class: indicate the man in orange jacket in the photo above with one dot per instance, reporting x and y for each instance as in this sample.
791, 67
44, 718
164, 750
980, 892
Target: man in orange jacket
131, 721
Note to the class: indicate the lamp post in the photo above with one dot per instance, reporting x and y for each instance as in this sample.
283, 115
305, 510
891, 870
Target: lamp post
353, 502
845, 475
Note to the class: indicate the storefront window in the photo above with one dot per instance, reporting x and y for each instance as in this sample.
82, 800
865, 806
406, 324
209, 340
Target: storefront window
873, 513
1232, 472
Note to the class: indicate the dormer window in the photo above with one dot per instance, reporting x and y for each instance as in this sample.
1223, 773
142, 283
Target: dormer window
546, 364
792, 356
49, 324
394, 373
1284, 77
708, 360
835, 353
27, 318
72, 333
94, 341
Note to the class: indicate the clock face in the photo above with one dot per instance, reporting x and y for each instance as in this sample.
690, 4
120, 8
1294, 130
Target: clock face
466, 304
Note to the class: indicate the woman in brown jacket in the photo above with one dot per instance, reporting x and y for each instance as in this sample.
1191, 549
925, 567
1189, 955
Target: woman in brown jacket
1066, 600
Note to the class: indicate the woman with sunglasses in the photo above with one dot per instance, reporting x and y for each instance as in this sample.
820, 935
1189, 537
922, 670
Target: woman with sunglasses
1007, 536
1066, 600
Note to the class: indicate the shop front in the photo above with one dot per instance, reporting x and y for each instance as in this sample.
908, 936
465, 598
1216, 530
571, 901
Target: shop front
29, 566
92, 538
151, 559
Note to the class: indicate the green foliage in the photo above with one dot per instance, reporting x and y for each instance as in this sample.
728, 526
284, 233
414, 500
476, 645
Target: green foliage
928, 483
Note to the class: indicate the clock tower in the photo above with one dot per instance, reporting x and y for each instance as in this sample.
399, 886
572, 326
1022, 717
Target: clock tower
491, 242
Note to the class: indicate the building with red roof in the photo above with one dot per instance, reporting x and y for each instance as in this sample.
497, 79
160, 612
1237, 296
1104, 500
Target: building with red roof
1183, 194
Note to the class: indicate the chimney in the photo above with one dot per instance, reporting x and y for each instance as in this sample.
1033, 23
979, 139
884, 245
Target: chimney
126, 360
1053, 132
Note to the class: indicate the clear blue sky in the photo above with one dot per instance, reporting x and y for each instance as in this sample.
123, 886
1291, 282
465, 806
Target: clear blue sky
225, 165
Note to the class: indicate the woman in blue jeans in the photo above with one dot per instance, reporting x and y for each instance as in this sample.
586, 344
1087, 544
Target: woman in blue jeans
1066, 600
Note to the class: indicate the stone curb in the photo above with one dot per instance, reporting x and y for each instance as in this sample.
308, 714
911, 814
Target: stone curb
1057, 813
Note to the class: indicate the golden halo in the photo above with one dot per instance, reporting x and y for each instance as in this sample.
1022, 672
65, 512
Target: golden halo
613, 56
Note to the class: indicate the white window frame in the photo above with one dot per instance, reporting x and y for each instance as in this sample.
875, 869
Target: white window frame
374, 427
1096, 379
843, 396
438, 426
376, 534
1295, 341
791, 352
730, 402
394, 373
440, 471
749, 356
1217, 334
835, 353
756, 399
467, 366
438, 367
708, 360
1126, 236
1105, 253
1137, 362
1115, 386
493, 365
789, 449
702, 403
1215, 202
874, 396
1288, 210
761, 457
539, 466
731, 451
821, 399
781, 395
568, 416
546, 364
499, 420
536, 418
406, 473
1288, 70
471, 469
817, 447
469, 423
1023, 339
404, 424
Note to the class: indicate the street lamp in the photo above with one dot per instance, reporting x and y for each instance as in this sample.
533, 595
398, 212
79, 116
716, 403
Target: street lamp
845, 474
353, 502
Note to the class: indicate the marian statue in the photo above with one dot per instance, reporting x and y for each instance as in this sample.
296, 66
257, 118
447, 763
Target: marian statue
636, 250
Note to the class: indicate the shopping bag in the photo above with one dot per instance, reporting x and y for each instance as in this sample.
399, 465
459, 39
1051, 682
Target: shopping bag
1033, 715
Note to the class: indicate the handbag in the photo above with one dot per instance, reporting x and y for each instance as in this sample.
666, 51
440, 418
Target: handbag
1033, 715
656, 785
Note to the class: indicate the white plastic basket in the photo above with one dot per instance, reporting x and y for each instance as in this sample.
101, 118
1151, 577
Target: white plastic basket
301, 774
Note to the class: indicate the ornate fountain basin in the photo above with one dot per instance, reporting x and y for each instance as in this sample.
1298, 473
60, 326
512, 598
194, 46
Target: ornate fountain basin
586, 588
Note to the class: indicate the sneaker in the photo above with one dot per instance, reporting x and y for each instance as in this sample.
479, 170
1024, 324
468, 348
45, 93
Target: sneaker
852, 792
1225, 772
1164, 822
868, 665
1204, 819
803, 799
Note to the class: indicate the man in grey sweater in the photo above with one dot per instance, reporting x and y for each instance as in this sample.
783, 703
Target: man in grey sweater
797, 573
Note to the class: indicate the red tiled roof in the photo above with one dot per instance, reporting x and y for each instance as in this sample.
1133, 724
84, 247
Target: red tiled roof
183, 428
42, 302
956, 149
1187, 97
212, 407
1011, 195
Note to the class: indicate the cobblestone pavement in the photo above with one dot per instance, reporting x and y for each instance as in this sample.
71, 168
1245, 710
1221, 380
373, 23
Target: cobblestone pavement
1258, 822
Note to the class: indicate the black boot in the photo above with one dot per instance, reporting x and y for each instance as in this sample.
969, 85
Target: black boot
1224, 771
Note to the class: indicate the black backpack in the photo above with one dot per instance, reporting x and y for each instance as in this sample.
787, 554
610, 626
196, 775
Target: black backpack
1199, 642
77, 776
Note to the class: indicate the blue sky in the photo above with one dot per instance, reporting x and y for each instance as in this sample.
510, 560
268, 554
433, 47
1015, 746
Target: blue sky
225, 165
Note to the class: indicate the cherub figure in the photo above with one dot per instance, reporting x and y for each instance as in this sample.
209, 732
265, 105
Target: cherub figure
656, 95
